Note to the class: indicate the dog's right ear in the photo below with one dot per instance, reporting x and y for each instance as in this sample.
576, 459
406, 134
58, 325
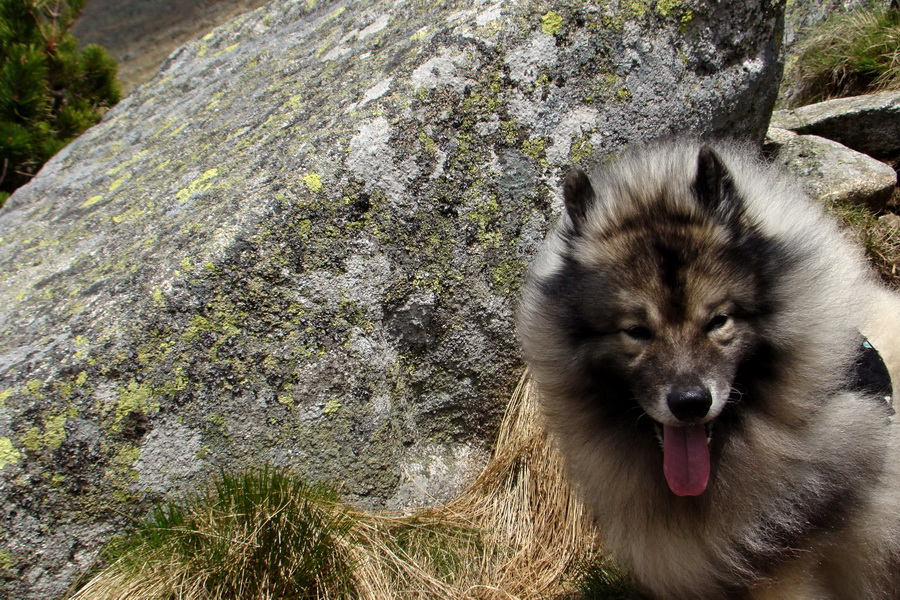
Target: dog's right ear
714, 187
578, 196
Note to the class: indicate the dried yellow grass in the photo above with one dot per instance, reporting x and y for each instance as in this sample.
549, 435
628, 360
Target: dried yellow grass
513, 534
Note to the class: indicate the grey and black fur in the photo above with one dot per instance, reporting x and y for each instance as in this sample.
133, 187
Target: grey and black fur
691, 285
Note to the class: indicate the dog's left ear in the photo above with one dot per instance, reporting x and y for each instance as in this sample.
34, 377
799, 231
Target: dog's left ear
714, 187
578, 196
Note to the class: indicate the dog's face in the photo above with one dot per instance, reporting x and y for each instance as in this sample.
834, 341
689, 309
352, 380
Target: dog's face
668, 317
656, 304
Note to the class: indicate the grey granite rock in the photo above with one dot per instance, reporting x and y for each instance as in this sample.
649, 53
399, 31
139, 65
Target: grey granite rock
301, 244
869, 124
831, 172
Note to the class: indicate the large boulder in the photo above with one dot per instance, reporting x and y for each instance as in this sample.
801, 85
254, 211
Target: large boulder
869, 123
301, 244
831, 172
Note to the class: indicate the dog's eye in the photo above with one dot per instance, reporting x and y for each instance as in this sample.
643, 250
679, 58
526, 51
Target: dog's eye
639, 333
717, 322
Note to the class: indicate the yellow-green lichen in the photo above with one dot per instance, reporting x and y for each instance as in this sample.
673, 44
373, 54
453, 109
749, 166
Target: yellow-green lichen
217, 419
638, 8
483, 214
534, 147
177, 130
314, 182
230, 48
201, 184
420, 34
33, 388
581, 149
9, 454
91, 201
127, 455
677, 9
331, 407
136, 397
118, 182
428, 144
509, 132
132, 214
158, 298
6, 560
508, 275
53, 435
4, 396
121, 471
551, 23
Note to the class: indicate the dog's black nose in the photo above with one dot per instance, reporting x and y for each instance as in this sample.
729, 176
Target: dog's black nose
689, 403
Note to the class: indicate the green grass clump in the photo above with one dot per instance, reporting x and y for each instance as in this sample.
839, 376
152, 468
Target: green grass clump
258, 534
850, 53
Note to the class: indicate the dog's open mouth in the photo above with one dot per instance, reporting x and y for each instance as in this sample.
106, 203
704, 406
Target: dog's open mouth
686, 462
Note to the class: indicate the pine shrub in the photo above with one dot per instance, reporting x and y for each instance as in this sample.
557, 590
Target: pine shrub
50, 90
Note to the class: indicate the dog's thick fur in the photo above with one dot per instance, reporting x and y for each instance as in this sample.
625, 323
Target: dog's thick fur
690, 284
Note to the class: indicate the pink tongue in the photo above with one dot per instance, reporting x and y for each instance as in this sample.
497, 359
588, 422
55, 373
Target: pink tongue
686, 459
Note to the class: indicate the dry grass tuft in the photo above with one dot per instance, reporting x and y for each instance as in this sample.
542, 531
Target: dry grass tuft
514, 534
880, 238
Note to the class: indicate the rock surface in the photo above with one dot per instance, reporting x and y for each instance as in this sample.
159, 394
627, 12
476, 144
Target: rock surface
832, 172
869, 124
301, 244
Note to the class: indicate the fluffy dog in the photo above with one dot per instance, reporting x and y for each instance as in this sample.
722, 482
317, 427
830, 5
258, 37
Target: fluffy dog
693, 325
